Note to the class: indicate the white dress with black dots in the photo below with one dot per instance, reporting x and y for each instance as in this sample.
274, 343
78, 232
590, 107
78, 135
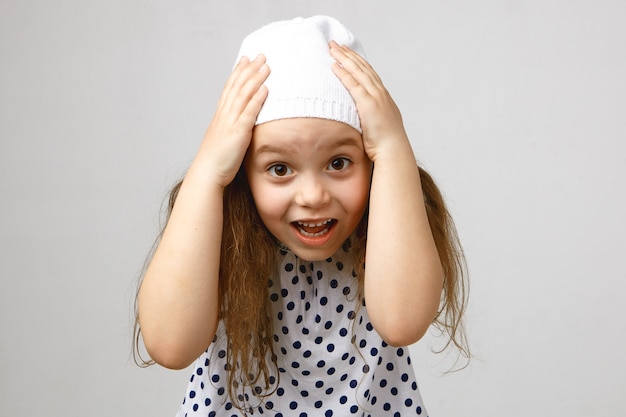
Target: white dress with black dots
322, 373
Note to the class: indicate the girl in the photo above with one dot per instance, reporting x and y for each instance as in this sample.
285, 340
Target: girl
304, 248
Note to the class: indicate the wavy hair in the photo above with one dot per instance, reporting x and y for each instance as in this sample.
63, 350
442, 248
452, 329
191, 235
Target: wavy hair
247, 261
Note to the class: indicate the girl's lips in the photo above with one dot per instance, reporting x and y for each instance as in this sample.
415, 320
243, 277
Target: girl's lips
314, 233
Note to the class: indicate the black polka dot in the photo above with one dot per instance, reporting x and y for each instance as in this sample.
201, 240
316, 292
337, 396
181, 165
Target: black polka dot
350, 360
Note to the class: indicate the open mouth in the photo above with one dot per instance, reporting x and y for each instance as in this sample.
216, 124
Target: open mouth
317, 229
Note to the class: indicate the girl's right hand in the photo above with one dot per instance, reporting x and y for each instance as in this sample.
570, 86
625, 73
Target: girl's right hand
229, 133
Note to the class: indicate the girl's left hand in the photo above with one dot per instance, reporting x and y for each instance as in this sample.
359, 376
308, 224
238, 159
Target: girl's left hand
381, 120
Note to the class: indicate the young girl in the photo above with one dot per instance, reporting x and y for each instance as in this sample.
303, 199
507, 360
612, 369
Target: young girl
304, 249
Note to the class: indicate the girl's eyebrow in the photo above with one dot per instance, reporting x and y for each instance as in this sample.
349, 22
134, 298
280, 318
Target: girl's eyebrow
271, 148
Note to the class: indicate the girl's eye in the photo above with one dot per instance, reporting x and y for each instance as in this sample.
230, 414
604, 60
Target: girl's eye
279, 170
338, 164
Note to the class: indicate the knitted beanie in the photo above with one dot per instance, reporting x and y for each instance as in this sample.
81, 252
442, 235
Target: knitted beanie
301, 82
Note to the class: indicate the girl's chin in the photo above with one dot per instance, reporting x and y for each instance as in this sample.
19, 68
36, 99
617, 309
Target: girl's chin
312, 256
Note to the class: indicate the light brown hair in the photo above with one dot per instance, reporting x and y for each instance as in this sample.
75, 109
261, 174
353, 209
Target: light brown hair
248, 259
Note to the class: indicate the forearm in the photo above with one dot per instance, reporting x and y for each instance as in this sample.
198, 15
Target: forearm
403, 277
178, 300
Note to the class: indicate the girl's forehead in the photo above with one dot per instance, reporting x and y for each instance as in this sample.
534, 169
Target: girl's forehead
305, 136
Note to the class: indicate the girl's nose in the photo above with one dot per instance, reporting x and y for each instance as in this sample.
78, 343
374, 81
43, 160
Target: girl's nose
311, 192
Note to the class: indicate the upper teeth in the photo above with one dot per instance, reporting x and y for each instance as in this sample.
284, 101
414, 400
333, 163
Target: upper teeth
314, 224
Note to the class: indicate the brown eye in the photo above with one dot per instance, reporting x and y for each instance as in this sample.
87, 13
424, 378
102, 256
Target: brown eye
279, 170
338, 164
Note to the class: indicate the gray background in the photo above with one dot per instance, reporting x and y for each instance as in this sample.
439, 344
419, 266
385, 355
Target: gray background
516, 107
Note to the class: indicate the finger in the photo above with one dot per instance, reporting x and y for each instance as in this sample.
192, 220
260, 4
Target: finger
251, 111
363, 74
355, 88
362, 62
242, 94
241, 73
233, 77
348, 53
238, 68
242, 89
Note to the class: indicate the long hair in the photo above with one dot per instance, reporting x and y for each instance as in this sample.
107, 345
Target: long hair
247, 261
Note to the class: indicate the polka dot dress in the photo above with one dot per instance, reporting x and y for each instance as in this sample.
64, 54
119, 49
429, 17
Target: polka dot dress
331, 361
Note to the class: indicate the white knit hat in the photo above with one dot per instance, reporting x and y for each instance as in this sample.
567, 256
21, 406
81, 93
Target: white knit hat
301, 82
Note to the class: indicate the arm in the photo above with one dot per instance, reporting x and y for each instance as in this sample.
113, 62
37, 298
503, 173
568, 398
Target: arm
178, 300
403, 275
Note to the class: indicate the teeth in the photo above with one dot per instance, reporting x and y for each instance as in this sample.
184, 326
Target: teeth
314, 224
311, 225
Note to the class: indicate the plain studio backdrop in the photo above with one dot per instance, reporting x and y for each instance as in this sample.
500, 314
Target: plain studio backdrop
518, 109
